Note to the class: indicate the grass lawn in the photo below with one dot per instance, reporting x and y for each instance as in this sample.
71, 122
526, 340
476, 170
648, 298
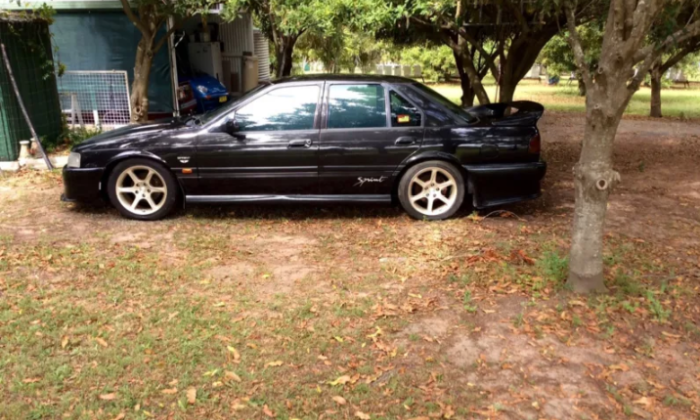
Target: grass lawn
675, 102
358, 313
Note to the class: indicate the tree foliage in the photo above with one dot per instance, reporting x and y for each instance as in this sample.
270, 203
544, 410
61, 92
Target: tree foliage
437, 62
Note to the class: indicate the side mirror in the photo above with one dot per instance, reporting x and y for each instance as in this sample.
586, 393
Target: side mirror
231, 126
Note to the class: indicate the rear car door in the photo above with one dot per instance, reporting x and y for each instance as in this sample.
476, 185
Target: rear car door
368, 130
273, 151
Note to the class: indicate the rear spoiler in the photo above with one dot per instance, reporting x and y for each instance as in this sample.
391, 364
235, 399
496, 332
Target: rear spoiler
519, 113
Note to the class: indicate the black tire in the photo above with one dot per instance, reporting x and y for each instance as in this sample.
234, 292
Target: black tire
164, 203
407, 189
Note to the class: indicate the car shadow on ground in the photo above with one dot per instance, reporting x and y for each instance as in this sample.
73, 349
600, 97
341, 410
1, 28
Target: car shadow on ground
298, 211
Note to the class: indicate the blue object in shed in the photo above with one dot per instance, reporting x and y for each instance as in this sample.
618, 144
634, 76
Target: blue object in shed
208, 92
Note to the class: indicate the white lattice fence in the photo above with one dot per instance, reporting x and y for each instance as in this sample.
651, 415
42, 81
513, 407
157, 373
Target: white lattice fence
98, 98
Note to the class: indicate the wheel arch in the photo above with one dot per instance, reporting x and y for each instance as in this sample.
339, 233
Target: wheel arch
135, 154
423, 157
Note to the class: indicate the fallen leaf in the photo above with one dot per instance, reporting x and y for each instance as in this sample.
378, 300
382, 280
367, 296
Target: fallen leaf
101, 341
169, 391
108, 397
275, 363
231, 376
236, 354
670, 335
120, 416
361, 415
267, 411
420, 418
31, 380
340, 400
643, 401
621, 367
64, 342
342, 380
192, 395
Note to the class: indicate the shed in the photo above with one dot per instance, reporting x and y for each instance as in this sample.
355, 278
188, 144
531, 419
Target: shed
27, 42
97, 44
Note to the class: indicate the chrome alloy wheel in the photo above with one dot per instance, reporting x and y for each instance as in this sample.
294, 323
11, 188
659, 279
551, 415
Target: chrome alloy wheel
432, 191
141, 190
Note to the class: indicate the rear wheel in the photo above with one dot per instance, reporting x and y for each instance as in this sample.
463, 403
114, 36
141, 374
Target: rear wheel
142, 189
432, 190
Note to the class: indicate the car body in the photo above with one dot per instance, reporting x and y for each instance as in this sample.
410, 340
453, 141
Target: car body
322, 139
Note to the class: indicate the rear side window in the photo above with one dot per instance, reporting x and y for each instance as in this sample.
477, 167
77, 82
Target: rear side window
283, 109
403, 113
356, 106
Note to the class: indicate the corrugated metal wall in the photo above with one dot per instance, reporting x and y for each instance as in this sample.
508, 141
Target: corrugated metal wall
237, 37
262, 51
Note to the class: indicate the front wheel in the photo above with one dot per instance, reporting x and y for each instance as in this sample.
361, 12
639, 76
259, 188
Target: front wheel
142, 189
432, 190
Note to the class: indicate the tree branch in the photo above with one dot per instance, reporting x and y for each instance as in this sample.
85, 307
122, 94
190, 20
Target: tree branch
518, 15
675, 59
679, 36
165, 37
132, 17
575, 42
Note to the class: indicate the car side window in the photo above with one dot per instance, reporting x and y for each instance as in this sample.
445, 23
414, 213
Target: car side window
403, 113
356, 106
283, 109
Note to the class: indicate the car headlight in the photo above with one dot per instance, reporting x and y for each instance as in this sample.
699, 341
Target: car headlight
202, 89
73, 160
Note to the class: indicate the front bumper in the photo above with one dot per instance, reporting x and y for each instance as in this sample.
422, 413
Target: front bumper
81, 184
498, 184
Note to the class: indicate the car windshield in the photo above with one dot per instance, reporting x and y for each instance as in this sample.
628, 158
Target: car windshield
222, 110
451, 106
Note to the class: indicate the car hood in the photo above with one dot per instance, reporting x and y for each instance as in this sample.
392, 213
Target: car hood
129, 135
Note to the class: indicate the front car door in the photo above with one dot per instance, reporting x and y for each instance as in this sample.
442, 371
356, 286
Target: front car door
274, 149
368, 131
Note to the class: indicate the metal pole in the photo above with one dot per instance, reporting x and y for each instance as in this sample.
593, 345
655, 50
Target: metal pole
24, 110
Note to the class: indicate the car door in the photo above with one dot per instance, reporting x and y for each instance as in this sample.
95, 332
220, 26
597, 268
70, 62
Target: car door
273, 149
368, 131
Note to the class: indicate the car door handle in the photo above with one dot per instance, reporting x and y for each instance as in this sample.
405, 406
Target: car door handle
403, 141
300, 143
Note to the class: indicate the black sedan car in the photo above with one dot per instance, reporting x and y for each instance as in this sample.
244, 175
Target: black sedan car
319, 139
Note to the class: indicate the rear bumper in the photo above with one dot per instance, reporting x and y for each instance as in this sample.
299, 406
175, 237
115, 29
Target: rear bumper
81, 184
498, 184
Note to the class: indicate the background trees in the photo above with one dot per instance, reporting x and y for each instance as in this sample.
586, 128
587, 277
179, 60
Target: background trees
558, 57
285, 21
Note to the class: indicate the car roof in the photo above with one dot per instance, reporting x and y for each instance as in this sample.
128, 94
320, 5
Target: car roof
371, 78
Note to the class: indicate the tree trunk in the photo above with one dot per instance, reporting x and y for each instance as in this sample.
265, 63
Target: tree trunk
474, 80
468, 93
139, 89
507, 88
284, 56
521, 56
581, 85
594, 178
655, 92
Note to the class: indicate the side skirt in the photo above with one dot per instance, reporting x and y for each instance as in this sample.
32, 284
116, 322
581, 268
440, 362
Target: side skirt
272, 199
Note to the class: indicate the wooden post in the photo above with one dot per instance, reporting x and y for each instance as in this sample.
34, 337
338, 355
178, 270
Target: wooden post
24, 110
